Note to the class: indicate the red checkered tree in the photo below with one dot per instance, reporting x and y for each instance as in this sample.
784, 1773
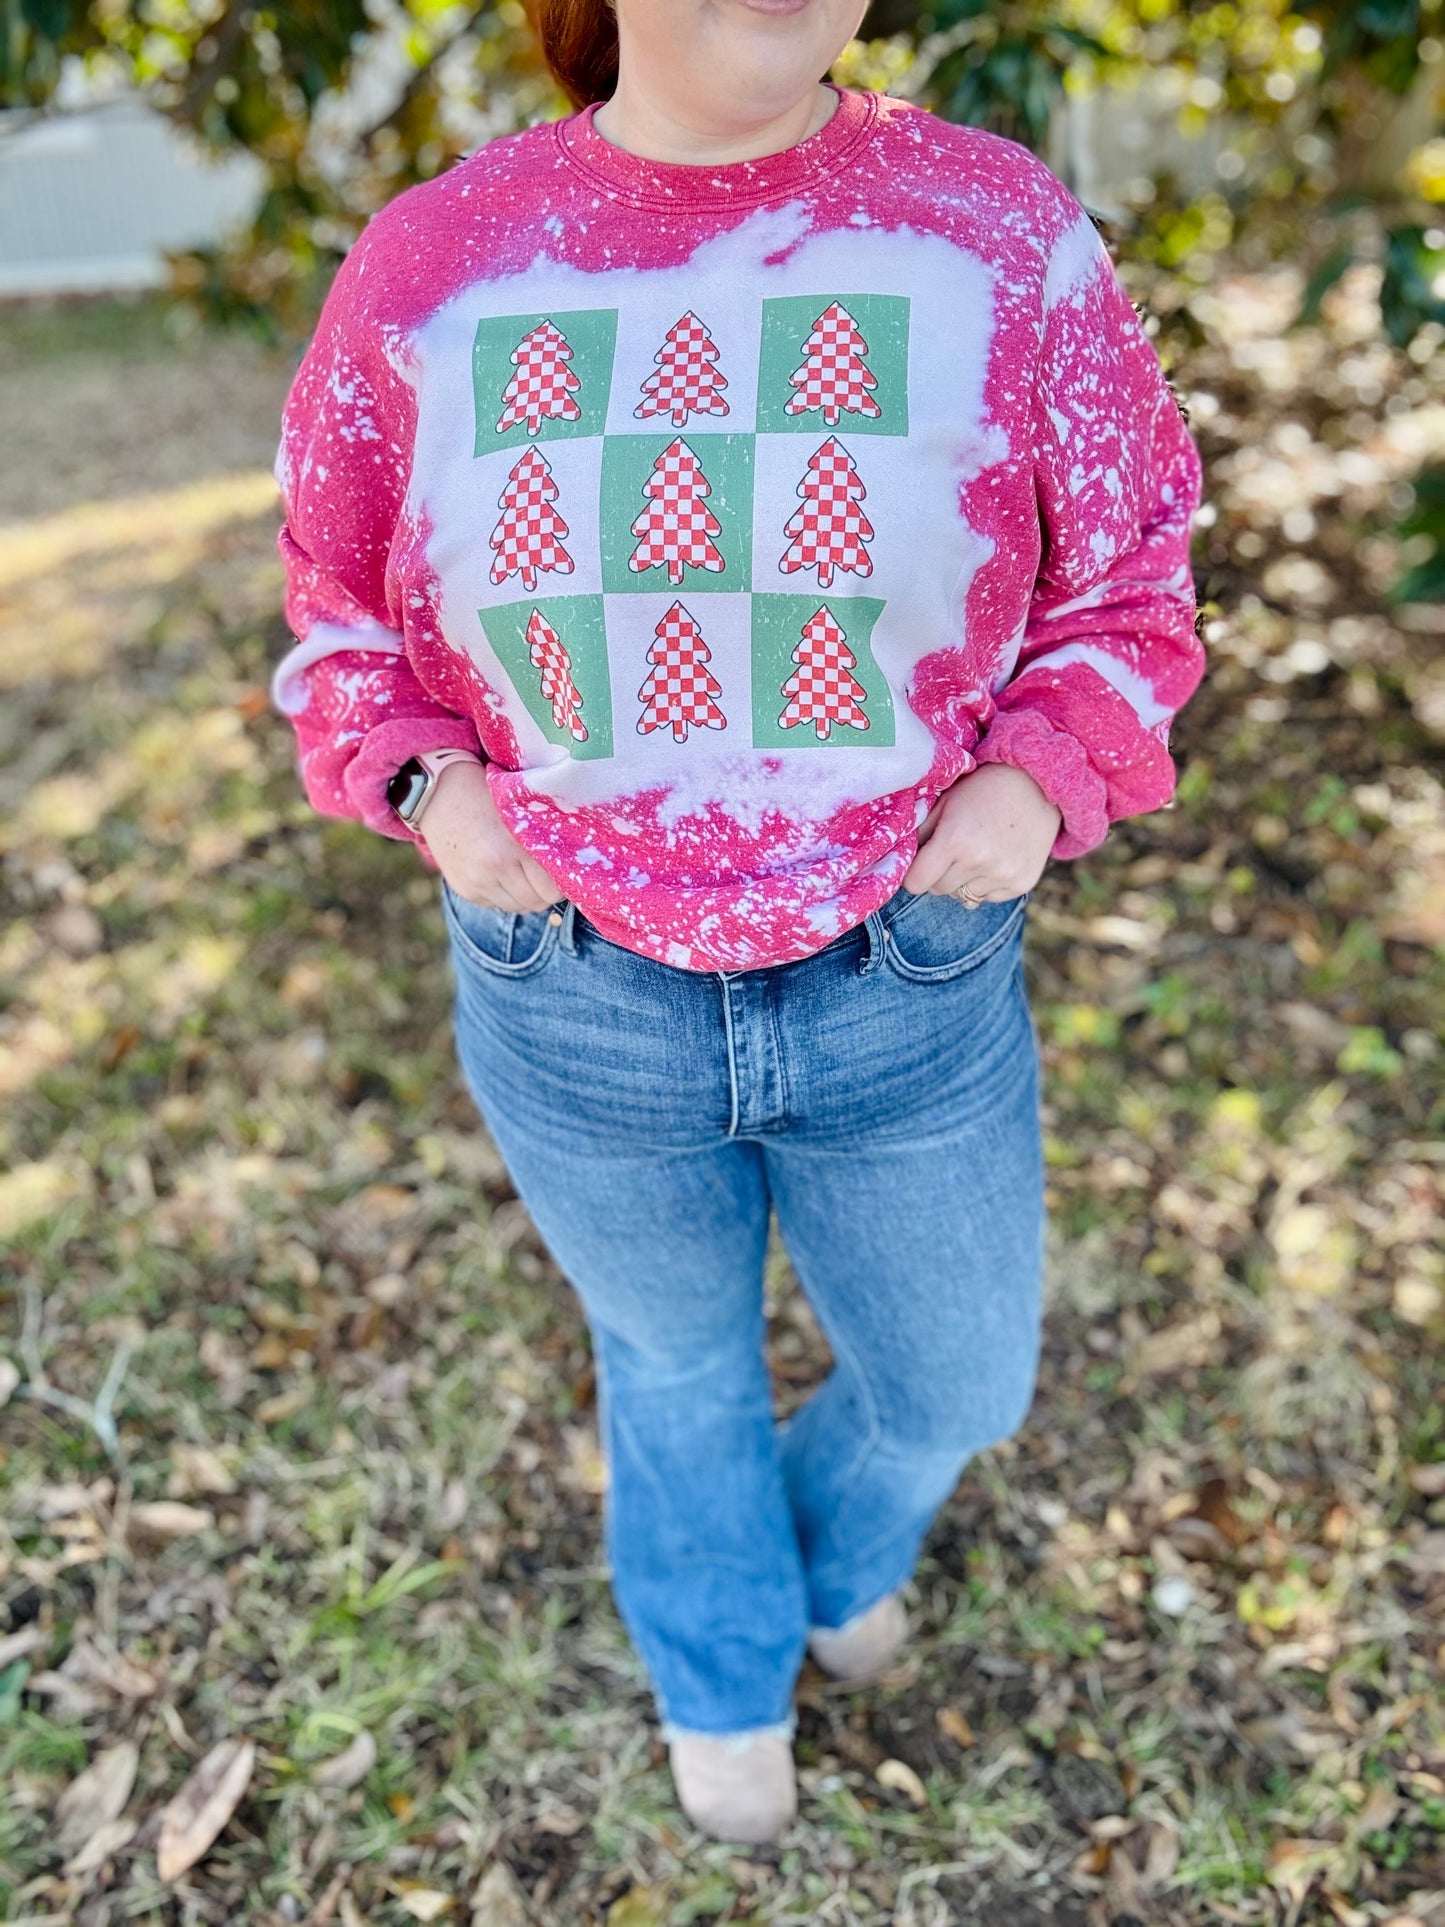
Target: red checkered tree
677, 527
680, 691
528, 538
549, 654
822, 690
829, 530
687, 379
544, 388
833, 376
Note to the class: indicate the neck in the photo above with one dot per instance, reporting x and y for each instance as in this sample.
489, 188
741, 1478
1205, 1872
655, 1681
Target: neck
648, 128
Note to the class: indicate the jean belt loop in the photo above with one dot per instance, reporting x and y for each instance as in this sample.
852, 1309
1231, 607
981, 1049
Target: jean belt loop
567, 935
877, 938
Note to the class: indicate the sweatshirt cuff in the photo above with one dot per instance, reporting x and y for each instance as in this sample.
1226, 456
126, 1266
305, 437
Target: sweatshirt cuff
1059, 764
382, 754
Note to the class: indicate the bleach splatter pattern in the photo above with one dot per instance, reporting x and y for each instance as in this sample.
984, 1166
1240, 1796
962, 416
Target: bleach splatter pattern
871, 419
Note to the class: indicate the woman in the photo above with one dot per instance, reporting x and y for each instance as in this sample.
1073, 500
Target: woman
741, 532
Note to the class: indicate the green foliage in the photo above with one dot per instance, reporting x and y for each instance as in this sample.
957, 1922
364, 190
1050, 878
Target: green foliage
1424, 581
1006, 70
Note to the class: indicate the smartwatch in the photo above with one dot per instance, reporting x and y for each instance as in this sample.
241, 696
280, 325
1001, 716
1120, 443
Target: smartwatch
409, 790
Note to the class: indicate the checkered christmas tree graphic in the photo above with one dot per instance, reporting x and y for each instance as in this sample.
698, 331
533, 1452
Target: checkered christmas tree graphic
822, 690
829, 530
680, 690
544, 388
549, 654
833, 376
677, 527
528, 538
687, 380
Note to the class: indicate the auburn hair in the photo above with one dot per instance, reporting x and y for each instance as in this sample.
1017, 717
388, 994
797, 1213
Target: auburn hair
579, 44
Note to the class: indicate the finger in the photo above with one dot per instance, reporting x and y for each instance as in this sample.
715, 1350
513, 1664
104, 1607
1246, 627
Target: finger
531, 897
929, 823
968, 885
489, 896
538, 881
927, 867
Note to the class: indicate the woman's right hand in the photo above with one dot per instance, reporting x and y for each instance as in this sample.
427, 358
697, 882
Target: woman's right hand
474, 850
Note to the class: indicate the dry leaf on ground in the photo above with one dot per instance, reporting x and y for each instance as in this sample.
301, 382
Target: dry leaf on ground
899, 1777
97, 1796
170, 1519
350, 1766
197, 1813
426, 1903
104, 1842
498, 1900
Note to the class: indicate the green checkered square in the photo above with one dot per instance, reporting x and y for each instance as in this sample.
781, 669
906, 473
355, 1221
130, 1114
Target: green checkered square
554, 648
541, 378
834, 361
812, 662
677, 513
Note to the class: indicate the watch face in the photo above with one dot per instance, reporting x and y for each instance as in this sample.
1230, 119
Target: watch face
406, 789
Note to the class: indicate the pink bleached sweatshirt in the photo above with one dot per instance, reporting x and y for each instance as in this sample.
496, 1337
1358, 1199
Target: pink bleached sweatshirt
733, 513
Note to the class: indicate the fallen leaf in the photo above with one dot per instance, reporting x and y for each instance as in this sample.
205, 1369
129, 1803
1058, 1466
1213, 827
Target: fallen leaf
30, 1639
953, 1723
1418, 1301
563, 1821
1377, 1814
349, 1767
30, 1192
72, 1700
97, 1796
642, 1907
498, 1900
9, 1379
1427, 1555
1161, 1857
170, 1519
100, 1847
197, 1468
1294, 1865
1429, 1479
85, 1665
1212, 1503
64, 1501
196, 1814
271, 1411
899, 1777
1315, 1249
426, 1903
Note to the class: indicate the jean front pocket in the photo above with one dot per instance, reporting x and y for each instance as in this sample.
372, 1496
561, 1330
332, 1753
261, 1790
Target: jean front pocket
932, 939
506, 943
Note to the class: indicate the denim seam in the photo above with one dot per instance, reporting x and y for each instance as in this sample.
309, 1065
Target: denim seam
498, 966
844, 1354
781, 1120
735, 1116
962, 966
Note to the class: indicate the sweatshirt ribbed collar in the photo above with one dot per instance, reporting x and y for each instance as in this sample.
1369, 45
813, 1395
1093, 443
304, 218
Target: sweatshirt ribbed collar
684, 185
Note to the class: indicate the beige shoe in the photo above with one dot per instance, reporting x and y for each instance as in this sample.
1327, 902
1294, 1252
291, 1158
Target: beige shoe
865, 1645
736, 1786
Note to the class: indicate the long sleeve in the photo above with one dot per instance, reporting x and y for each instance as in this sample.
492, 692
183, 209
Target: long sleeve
1109, 652
355, 701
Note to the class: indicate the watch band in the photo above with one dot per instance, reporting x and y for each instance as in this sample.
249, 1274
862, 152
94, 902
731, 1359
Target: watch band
433, 762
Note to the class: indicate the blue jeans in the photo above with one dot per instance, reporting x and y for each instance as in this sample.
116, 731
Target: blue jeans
881, 1097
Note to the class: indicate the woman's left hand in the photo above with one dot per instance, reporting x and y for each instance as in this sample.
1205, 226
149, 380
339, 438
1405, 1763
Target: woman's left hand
990, 838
